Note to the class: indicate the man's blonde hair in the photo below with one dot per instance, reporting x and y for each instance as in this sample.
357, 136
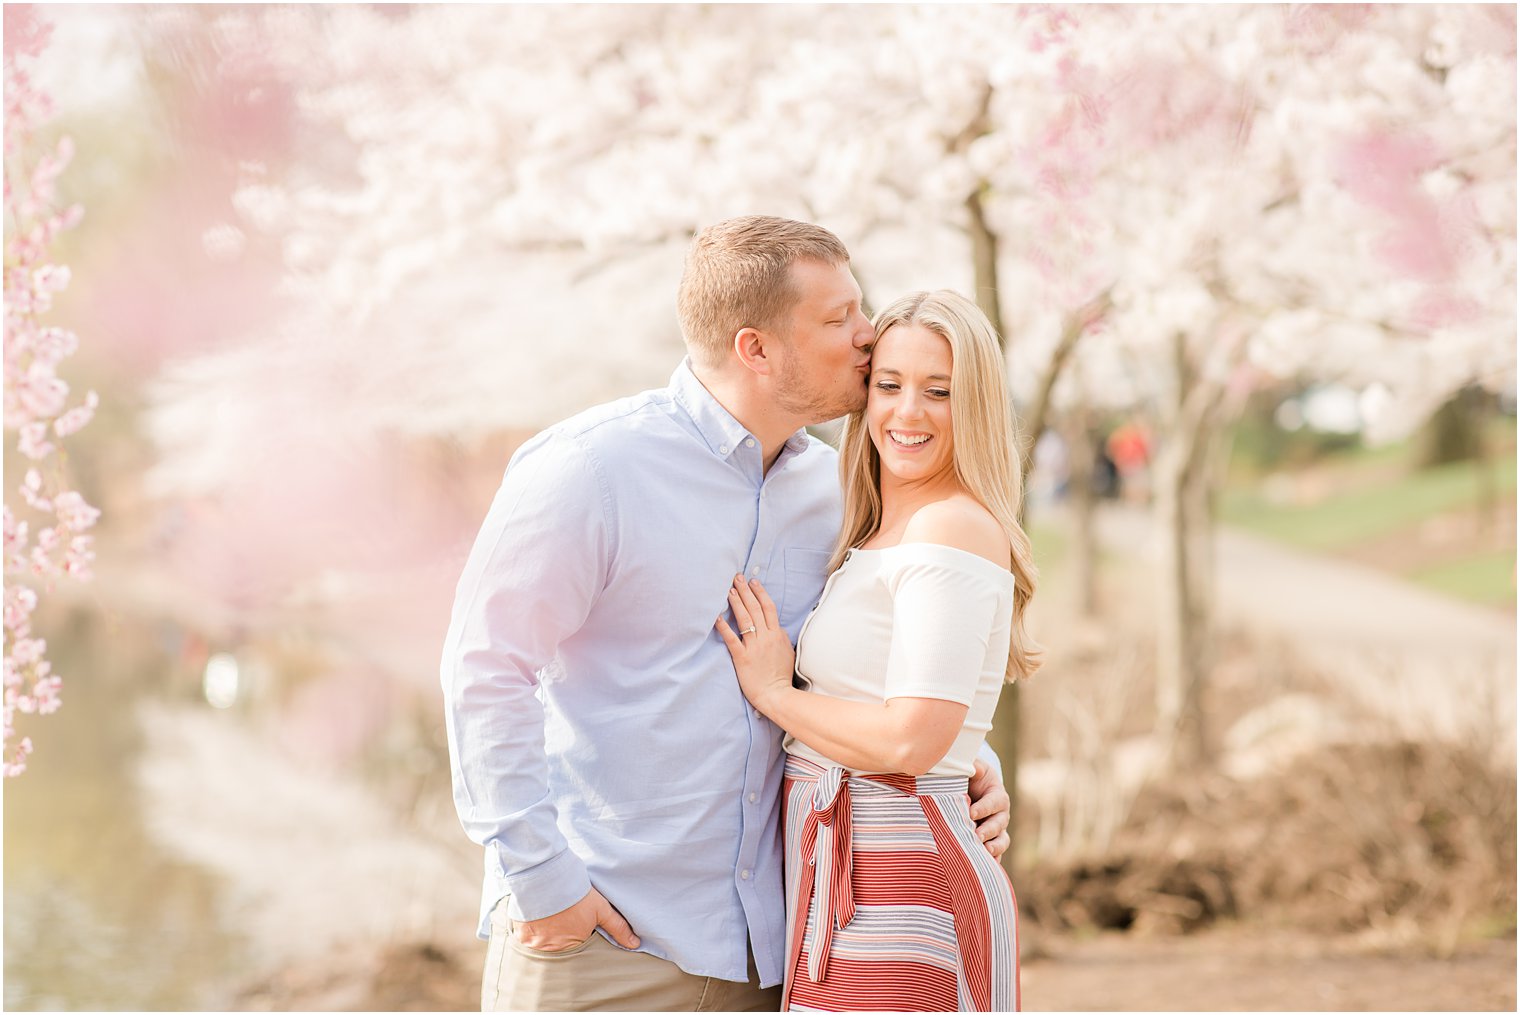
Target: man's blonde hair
738, 275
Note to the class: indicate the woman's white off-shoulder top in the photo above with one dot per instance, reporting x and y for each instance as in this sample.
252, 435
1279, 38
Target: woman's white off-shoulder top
916, 620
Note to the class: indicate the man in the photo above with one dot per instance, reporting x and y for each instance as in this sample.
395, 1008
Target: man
602, 752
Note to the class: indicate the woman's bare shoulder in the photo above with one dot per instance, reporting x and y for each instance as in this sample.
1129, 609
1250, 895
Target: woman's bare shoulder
960, 522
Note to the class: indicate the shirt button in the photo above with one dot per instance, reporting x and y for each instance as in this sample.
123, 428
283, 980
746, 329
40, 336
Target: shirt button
744, 875
752, 798
757, 715
723, 449
749, 442
755, 571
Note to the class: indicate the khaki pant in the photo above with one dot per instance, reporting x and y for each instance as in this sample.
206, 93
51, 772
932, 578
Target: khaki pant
599, 976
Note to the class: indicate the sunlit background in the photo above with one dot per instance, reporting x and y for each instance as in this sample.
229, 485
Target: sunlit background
328, 266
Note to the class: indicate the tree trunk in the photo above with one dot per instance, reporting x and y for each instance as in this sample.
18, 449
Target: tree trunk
1171, 590
1034, 421
1487, 501
1198, 530
1179, 626
1006, 732
1082, 458
984, 254
1004, 738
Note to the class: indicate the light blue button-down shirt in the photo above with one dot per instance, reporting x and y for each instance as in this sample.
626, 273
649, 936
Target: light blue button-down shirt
596, 728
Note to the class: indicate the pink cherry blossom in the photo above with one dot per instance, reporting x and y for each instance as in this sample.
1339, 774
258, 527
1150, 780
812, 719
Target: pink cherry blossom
36, 397
79, 557
76, 418
34, 443
20, 601
74, 512
27, 651
31, 491
16, 763
26, 34
46, 693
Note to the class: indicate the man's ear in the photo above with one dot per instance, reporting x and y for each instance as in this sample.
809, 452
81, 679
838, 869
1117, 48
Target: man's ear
756, 349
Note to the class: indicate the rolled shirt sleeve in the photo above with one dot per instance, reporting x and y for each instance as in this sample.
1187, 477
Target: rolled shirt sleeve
533, 575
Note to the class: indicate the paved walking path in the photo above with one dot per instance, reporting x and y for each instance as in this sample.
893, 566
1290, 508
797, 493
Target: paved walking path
1429, 664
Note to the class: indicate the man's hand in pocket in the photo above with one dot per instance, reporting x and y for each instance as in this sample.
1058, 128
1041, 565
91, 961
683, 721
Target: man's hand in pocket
571, 927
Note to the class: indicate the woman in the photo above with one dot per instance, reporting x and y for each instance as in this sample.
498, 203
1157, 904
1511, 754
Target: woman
891, 900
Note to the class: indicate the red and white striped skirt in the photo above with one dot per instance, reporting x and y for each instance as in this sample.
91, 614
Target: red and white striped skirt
892, 901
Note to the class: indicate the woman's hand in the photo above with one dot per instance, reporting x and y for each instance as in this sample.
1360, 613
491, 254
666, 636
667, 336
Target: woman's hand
990, 808
763, 654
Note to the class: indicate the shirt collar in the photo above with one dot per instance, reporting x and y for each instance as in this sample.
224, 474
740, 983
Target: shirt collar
718, 427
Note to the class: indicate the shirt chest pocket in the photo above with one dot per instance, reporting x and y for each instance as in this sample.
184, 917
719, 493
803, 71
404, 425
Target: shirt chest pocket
802, 583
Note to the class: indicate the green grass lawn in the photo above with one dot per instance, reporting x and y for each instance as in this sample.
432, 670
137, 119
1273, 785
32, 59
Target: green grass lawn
1366, 512
1486, 578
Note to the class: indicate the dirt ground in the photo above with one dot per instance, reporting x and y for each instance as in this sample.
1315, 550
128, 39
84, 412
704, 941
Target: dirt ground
1227, 969
1240, 970
1233, 969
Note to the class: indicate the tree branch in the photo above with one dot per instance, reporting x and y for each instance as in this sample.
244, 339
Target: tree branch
1076, 324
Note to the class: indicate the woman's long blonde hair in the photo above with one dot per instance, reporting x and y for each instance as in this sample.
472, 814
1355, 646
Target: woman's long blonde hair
985, 441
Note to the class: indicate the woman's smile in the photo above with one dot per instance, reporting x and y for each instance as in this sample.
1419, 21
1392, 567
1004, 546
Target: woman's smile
909, 440
908, 406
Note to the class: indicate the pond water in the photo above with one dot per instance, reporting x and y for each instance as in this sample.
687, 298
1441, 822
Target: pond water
99, 915
162, 854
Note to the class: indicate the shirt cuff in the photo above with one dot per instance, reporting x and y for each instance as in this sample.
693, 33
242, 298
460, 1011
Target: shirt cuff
552, 887
988, 755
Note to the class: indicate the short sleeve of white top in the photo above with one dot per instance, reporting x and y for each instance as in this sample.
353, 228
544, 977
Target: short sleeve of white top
916, 620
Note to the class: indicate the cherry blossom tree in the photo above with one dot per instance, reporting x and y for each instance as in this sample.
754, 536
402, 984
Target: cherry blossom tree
1309, 194
1159, 205
46, 536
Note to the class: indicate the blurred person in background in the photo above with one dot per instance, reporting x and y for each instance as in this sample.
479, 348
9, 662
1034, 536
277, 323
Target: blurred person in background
892, 901
626, 795
1129, 448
